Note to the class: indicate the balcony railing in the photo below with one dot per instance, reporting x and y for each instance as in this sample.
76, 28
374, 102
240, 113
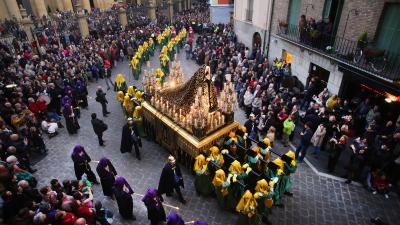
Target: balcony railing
249, 14
379, 63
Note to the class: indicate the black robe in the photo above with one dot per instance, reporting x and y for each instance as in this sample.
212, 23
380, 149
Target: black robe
155, 213
107, 179
126, 139
167, 180
81, 166
125, 203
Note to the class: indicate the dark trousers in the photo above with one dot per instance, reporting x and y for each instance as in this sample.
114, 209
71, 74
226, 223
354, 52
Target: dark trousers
303, 149
100, 137
333, 159
137, 152
104, 108
178, 191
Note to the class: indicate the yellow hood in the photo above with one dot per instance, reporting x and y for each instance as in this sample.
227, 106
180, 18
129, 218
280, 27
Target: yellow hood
247, 204
219, 178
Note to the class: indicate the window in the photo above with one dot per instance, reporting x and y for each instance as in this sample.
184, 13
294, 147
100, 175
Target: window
389, 29
294, 12
332, 12
249, 10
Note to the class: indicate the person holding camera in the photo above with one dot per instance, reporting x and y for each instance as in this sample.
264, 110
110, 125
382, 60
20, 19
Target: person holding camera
99, 127
101, 98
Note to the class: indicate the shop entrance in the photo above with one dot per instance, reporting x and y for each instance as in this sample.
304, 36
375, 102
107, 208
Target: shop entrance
320, 74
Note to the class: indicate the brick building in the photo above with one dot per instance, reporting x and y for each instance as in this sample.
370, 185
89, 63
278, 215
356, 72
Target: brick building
329, 48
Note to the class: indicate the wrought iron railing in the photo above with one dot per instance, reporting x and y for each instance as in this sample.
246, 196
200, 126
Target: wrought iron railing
384, 64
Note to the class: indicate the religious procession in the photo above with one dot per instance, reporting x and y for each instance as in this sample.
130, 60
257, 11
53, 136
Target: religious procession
165, 112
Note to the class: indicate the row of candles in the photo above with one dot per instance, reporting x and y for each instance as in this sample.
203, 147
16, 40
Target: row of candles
197, 118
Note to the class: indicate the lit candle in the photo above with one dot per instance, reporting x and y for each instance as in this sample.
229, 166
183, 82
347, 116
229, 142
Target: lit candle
195, 122
223, 118
180, 112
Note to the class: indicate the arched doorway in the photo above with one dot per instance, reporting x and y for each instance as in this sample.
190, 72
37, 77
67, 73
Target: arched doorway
256, 41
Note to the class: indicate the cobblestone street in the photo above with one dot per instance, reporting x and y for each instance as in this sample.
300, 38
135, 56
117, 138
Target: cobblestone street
317, 199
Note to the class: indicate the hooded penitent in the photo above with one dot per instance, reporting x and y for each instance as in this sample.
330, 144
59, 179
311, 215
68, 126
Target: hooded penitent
105, 168
174, 219
235, 167
200, 163
120, 83
138, 112
216, 156
219, 178
120, 96
121, 183
247, 204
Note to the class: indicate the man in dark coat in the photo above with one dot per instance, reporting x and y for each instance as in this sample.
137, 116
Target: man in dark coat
130, 136
101, 98
99, 127
171, 178
306, 136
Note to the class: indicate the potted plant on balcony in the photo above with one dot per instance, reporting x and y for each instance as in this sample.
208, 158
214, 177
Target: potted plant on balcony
362, 40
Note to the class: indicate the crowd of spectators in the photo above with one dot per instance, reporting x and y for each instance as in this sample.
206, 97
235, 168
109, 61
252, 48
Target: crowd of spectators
281, 108
47, 79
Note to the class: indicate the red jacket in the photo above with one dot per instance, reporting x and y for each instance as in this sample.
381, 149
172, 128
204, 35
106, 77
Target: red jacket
380, 183
69, 219
87, 213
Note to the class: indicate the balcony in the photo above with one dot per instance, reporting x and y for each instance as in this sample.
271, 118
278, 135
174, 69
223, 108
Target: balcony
249, 15
382, 64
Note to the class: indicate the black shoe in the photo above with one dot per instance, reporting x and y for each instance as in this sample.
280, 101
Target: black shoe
183, 201
280, 205
108, 112
288, 193
347, 181
133, 218
105, 115
108, 88
32, 170
138, 157
168, 194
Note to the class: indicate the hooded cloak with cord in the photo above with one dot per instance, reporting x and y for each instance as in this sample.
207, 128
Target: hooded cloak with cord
107, 173
202, 180
123, 194
155, 210
81, 164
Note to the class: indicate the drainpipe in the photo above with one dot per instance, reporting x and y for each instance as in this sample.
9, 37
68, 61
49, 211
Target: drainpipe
269, 28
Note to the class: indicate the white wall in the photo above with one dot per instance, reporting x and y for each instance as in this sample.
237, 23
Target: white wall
301, 62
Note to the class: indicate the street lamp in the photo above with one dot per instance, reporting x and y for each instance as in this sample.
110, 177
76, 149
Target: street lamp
356, 13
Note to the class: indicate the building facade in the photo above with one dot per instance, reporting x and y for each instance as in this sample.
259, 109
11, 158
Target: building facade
348, 44
252, 22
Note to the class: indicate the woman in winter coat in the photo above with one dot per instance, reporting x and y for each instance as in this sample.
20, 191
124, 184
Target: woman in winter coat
318, 138
248, 100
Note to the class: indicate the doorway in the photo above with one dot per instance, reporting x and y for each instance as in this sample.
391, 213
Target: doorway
256, 41
320, 74
332, 13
